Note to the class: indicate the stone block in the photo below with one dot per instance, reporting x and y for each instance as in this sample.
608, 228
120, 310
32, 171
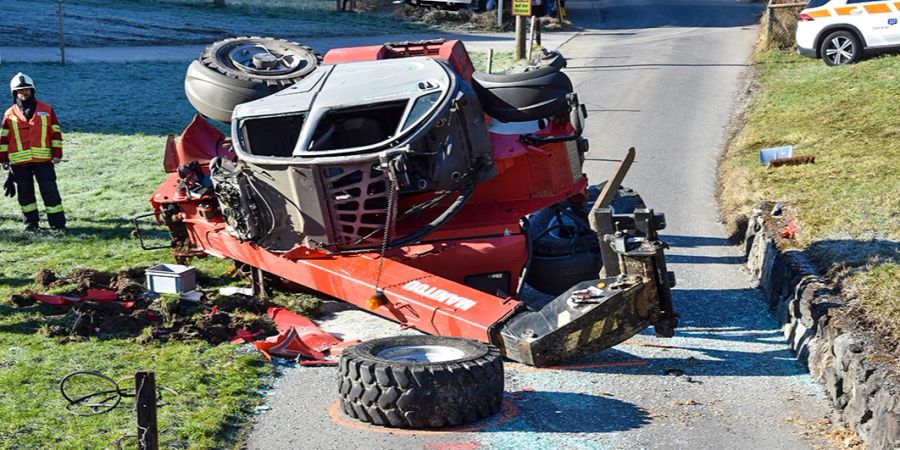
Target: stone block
846, 348
834, 384
820, 358
885, 431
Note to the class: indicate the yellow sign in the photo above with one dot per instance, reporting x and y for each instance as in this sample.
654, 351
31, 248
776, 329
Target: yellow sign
521, 7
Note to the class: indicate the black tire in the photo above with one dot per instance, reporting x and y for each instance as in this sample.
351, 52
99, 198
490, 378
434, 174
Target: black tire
841, 47
222, 56
407, 394
215, 83
561, 260
556, 274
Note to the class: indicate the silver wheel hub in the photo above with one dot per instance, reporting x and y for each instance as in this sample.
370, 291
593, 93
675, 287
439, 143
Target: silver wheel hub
840, 50
258, 60
421, 353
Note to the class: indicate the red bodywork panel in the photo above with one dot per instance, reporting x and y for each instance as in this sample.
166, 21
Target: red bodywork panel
454, 52
199, 142
423, 283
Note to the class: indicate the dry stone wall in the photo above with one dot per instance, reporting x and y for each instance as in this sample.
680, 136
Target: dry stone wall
862, 388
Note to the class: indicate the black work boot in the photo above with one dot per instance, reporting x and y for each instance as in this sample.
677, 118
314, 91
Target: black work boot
30, 219
57, 220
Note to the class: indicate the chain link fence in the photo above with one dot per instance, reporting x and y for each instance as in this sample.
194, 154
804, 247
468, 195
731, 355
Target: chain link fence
781, 23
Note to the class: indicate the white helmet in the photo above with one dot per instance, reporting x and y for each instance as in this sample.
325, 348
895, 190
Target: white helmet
20, 81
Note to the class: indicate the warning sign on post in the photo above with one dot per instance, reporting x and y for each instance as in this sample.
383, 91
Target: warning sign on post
521, 7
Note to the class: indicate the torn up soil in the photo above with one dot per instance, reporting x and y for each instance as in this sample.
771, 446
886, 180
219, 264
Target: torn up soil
139, 315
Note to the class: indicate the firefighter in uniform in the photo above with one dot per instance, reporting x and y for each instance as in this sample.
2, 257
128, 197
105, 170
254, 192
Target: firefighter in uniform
30, 144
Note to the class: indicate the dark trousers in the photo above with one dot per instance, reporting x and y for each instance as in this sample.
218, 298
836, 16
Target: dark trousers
25, 176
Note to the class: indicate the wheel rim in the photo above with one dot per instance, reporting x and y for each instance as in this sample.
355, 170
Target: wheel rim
258, 59
840, 50
421, 353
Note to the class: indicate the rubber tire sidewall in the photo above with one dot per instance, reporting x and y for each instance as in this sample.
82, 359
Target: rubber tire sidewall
857, 47
404, 394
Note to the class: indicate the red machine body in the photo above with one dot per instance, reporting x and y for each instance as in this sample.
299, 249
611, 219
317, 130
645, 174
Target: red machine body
428, 286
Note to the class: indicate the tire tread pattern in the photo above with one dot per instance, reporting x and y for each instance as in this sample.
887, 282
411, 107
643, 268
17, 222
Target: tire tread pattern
421, 395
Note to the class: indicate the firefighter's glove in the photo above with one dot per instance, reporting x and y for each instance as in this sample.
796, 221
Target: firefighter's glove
9, 188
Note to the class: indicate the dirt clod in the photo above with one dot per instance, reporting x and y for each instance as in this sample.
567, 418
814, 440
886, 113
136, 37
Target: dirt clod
126, 284
21, 301
86, 279
45, 278
215, 319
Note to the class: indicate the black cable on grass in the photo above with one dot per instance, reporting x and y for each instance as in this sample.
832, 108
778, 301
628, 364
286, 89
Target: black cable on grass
102, 400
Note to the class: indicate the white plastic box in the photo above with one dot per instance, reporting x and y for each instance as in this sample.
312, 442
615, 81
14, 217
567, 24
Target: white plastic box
171, 278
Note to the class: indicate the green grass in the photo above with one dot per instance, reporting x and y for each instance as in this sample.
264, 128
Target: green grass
114, 123
503, 61
846, 203
101, 23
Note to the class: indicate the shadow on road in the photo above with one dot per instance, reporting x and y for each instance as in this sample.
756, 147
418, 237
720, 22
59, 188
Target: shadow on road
567, 412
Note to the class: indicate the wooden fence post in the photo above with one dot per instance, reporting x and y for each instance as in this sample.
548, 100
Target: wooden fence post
145, 403
62, 36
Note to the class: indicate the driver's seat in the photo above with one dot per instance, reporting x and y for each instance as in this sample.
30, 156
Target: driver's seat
526, 96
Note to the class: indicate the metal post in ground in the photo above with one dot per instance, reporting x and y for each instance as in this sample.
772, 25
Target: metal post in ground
520, 37
490, 65
62, 36
145, 403
499, 14
531, 39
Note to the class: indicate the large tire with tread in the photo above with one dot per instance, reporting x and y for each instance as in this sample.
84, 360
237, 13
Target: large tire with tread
378, 386
566, 252
239, 70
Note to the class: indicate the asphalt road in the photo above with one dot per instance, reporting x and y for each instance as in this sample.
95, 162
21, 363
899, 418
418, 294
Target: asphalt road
663, 76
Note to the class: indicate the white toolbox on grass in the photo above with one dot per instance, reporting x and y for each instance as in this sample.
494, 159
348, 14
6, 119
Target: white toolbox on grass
171, 278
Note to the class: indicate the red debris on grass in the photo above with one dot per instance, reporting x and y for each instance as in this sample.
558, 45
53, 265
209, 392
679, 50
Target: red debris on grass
789, 230
298, 337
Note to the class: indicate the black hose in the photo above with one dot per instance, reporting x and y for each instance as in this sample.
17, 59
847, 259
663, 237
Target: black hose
437, 222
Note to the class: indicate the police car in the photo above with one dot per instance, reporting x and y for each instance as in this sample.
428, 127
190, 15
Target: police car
842, 31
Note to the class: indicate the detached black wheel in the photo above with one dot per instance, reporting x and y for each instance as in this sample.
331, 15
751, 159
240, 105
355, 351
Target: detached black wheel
239, 70
271, 61
421, 381
841, 47
565, 250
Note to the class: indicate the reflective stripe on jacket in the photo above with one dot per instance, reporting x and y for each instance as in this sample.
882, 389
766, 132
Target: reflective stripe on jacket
36, 140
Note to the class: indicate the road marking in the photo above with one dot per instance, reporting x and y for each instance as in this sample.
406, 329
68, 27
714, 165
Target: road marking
648, 344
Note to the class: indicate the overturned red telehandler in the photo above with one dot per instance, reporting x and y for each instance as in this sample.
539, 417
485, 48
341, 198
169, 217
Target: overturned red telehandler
397, 179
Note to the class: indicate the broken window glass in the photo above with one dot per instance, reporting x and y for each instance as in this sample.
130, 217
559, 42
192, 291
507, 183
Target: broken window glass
271, 136
421, 107
358, 126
